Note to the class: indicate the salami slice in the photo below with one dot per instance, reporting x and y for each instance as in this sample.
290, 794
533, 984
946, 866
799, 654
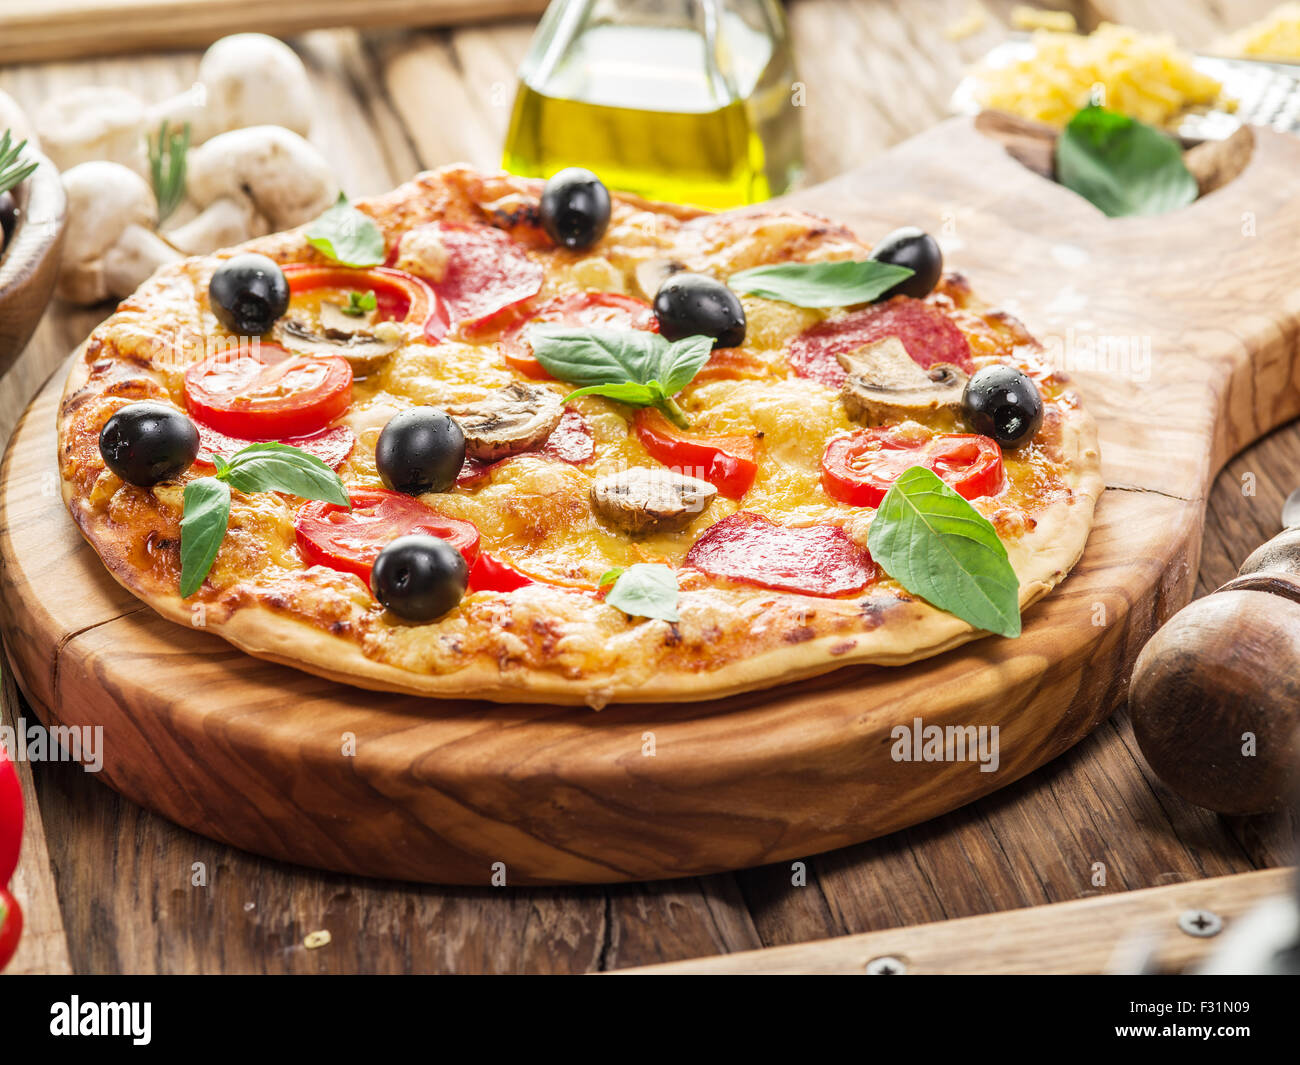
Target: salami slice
927, 333
332, 446
571, 441
486, 273
813, 560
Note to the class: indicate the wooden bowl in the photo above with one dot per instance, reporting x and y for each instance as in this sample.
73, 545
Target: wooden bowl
29, 264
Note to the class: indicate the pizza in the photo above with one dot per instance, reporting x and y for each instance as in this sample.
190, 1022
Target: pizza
515, 526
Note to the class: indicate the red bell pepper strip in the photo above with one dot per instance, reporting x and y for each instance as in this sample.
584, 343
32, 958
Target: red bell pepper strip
727, 462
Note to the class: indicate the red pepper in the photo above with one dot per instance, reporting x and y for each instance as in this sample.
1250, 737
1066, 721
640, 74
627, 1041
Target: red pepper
492, 575
11, 838
727, 462
400, 296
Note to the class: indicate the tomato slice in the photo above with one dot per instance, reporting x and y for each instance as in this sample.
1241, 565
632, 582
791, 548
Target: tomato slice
727, 462
267, 392
590, 310
486, 273
350, 540
11, 818
332, 446
928, 334
490, 574
399, 296
859, 469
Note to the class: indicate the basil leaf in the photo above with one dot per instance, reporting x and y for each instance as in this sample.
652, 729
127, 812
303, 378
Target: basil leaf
274, 467
203, 527
1121, 165
838, 284
598, 356
646, 590
937, 546
627, 392
683, 359
347, 236
610, 576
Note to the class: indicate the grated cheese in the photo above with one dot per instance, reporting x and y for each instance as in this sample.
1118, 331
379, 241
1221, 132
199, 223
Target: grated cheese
1276, 36
1024, 17
1142, 75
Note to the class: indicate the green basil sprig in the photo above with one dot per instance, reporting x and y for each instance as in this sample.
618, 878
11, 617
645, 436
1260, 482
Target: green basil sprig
360, 303
631, 366
266, 466
644, 590
347, 236
1121, 165
837, 284
937, 546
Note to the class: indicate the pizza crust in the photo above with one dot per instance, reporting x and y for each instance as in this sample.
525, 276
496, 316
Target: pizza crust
731, 639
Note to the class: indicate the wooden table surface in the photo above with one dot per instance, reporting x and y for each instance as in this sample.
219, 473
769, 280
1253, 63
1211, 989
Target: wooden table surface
108, 887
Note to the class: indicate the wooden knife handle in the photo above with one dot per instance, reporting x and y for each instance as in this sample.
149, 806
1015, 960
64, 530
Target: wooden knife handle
1215, 693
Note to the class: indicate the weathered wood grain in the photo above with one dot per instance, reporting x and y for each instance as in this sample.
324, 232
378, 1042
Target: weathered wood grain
1032, 842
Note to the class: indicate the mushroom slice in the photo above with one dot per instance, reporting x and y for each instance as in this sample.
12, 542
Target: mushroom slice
508, 420
886, 385
363, 343
645, 500
654, 272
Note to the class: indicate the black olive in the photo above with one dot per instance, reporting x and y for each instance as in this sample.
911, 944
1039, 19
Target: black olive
145, 443
8, 217
917, 250
695, 305
248, 293
575, 208
419, 577
420, 450
1001, 402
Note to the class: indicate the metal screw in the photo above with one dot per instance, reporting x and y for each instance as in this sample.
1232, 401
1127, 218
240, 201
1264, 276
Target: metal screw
886, 966
1200, 923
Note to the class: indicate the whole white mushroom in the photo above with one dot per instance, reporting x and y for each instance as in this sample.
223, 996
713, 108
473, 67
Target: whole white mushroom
93, 123
109, 246
252, 181
246, 79
14, 119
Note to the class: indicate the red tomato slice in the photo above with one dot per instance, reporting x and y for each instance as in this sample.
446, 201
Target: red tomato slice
814, 560
350, 540
587, 310
860, 468
267, 392
489, 574
486, 273
571, 441
11, 819
332, 446
927, 333
728, 462
399, 296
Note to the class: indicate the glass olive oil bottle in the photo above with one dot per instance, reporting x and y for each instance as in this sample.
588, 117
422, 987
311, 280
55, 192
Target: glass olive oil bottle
683, 100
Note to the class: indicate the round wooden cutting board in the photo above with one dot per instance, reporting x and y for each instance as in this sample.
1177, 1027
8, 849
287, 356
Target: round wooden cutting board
1204, 303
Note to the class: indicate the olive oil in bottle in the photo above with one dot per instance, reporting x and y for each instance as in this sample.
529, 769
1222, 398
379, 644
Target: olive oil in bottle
682, 100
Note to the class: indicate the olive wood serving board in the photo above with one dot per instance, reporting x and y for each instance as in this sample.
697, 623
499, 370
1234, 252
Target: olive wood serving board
293, 766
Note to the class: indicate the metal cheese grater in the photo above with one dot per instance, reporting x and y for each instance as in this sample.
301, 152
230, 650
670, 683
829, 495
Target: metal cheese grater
1267, 94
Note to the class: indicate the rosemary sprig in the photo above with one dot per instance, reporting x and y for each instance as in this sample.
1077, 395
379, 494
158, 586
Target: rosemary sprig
167, 168
12, 169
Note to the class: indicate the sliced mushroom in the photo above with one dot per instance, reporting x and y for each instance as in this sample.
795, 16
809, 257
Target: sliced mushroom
360, 340
509, 420
644, 499
654, 272
885, 384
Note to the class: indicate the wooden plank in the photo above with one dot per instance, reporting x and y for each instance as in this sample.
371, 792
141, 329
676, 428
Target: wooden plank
44, 945
35, 30
1096, 935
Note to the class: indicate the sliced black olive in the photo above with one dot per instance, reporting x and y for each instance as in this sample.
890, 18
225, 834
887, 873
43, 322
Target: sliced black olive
575, 208
696, 305
1002, 402
248, 293
146, 443
420, 450
419, 577
917, 250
